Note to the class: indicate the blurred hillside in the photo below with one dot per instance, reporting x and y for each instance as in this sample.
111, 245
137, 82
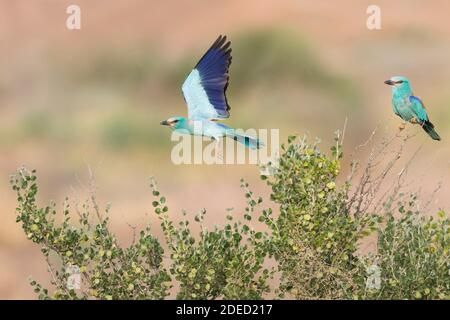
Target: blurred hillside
70, 100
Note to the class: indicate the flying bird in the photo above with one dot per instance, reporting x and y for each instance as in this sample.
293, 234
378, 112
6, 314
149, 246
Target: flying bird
204, 92
409, 107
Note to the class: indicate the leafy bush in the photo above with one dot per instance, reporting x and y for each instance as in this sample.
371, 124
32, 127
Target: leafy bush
223, 263
314, 238
413, 256
108, 271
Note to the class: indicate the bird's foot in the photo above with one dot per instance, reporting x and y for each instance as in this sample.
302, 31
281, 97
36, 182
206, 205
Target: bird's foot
402, 126
219, 155
414, 120
218, 151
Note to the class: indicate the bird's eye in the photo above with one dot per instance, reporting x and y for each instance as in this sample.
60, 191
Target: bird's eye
175, 121
399, 81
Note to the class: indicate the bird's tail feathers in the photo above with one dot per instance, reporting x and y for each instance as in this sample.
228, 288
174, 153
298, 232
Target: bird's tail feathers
248, 141
429, 128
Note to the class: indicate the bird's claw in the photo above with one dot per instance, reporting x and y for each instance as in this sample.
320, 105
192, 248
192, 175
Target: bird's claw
218, 151
414, 121
219, 155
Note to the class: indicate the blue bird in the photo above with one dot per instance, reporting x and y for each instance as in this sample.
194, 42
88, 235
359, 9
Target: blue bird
409, 107
204, 91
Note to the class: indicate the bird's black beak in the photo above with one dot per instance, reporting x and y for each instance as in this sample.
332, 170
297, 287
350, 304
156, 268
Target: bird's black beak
164, 123
389, 82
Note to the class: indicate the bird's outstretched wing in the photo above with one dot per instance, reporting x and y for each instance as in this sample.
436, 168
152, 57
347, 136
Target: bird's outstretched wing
419, 108
205, 87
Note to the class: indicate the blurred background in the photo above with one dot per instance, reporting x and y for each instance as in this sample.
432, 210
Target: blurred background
94, 97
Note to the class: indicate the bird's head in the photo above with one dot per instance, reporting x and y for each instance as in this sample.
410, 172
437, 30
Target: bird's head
398, 82
174, 122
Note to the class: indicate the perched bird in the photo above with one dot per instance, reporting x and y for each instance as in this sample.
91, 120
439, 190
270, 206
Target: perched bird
204, 91
409, 107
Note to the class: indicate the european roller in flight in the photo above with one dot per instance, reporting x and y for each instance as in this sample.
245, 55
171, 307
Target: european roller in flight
409, 107
204, 92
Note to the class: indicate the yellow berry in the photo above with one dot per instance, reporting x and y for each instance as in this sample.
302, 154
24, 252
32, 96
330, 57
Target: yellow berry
331, 185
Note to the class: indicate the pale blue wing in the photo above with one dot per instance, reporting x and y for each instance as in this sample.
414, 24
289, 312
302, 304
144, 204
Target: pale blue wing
205, 87
419, 108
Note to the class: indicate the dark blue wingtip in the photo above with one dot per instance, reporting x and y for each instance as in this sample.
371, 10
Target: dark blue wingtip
213, 68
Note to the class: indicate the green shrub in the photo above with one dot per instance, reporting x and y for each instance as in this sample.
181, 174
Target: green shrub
314, 238
108, 271
413, 256
223, 263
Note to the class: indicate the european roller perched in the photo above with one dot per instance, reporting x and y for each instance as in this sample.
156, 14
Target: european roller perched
409, 107
204, 91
